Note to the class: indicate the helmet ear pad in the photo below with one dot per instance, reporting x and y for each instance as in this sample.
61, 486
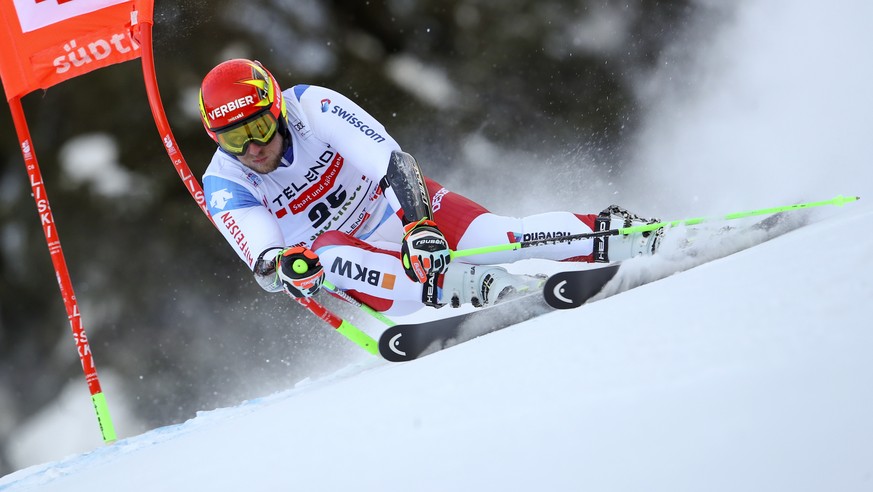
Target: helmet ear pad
285, 133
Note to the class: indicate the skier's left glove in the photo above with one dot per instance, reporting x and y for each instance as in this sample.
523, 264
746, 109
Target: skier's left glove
424, 251
300, 271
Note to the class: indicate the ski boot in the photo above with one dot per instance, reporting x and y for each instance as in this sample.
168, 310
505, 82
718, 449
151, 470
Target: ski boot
622, 247
484, 285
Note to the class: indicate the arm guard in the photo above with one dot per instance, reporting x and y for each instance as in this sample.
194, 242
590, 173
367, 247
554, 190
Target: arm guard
265, 270
405, 178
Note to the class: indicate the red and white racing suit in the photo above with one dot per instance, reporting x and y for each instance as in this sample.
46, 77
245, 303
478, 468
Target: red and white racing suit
326, 195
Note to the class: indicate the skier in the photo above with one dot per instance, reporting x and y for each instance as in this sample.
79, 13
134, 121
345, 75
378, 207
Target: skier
307, 186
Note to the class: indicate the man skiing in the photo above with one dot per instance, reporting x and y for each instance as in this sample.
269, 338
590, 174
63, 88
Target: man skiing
305, 186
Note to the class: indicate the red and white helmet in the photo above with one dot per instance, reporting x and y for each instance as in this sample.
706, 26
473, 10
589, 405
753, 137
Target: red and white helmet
236, 92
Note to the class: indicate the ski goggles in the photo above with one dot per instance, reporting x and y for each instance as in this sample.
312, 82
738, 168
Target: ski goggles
260, 130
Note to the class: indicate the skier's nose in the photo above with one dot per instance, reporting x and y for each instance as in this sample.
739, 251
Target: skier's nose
254, 149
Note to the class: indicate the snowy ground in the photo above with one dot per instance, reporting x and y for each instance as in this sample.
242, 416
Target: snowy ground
751, 372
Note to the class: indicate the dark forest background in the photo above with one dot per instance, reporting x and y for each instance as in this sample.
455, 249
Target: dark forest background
171, 313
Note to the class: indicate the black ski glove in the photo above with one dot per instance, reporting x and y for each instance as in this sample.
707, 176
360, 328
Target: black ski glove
424, 251
300, 271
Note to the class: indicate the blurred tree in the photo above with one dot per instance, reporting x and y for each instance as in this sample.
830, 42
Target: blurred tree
181, 320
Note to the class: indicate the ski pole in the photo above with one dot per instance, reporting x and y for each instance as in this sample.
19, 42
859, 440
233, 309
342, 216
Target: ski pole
358, 304
342, 326
838, 201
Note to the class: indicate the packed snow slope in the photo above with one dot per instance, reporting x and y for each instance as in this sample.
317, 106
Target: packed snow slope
750, 372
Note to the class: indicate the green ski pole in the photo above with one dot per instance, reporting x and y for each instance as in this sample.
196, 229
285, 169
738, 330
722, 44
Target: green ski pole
838, 201
360, 305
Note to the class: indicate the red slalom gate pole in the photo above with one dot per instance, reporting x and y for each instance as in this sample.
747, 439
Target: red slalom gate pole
160, 117
47, 220
348, 330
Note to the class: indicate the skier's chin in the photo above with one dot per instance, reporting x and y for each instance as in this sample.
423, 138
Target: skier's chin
262, 165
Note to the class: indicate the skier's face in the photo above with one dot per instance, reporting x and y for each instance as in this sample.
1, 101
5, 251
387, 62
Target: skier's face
263, 159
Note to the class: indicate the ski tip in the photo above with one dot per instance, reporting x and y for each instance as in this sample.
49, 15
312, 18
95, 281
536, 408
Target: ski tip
568, 290
392, 345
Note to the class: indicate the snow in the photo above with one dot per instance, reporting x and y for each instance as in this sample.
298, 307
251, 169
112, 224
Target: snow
773, 107
57, 422
428, 83
751, 372
93, 159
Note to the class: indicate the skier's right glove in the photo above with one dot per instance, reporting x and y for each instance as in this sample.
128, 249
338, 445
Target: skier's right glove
299, 271
424, 251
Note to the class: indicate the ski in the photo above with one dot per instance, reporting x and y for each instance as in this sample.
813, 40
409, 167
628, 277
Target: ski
401, 343
568, 290
572, 289
407, 342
